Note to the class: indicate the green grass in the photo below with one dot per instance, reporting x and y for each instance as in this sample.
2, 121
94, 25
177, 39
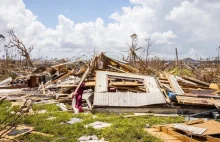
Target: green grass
122, 129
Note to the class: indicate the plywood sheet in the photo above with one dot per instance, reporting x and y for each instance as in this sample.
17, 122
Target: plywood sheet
161, 135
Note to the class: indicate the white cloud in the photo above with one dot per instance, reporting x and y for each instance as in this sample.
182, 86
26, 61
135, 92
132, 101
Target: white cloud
161, 38
81, 37
196, 17
198, 20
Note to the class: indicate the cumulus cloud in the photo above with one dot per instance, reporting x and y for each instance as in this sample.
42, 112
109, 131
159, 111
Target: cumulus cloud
192, 20
198, 17
161, 38
82, 38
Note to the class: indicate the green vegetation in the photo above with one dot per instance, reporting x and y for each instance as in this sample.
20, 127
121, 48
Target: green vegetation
122, 129
184, 72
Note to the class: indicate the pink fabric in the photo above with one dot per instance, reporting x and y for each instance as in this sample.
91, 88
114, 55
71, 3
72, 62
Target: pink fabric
78, 97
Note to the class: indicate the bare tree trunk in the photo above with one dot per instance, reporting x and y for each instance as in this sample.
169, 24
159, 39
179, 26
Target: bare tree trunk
29, 61
148, 48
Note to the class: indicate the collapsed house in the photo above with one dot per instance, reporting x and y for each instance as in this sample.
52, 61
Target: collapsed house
114, 86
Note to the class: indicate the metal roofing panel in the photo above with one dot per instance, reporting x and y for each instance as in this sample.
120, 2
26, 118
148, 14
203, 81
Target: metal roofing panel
192, 129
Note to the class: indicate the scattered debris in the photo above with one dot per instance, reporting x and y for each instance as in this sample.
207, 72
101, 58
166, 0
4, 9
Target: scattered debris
195, 131
107, 84
62, 106
74, 120
98, 125
93, 138
51, 118
41, 111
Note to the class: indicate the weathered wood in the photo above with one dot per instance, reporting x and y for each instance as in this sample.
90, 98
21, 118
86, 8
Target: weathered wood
161, 135
60, 78
125, 83
15, 86
197, 81
42, 134
116, 69
212, 139
90, 83
174, 84
55, 66
214, 86
177, 135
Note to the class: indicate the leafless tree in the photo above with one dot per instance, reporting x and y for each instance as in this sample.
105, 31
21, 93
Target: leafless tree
22, 50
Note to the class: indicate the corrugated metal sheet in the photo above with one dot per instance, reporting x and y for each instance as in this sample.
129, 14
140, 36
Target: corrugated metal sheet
191, 129
152, 96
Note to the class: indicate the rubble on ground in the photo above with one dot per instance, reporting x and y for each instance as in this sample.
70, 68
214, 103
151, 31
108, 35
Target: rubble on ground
112, 85
194, 130
98, 125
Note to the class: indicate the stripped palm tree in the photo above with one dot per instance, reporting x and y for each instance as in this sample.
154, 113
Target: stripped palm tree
132, 56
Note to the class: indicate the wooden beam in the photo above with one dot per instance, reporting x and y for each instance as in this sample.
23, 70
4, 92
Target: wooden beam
60, 78
177, 135
55, 66
197, 81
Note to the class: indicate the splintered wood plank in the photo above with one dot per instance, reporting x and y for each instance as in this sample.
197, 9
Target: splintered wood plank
195, 121
177, 135
174, 84
161, 135
214, 86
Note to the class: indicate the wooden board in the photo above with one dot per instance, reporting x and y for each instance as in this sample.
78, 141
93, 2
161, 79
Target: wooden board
213, 139
195, 121
177, 135
213, 127
19, 127
161, 135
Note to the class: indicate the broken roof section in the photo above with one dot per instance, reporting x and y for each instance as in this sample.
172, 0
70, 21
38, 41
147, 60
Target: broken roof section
150, 94
110, 63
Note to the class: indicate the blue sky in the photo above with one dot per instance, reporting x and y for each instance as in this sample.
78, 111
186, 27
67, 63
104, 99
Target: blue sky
77, 10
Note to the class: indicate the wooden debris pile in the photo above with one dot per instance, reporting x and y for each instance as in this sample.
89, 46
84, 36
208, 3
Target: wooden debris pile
111, 83
190, 91
191, 131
